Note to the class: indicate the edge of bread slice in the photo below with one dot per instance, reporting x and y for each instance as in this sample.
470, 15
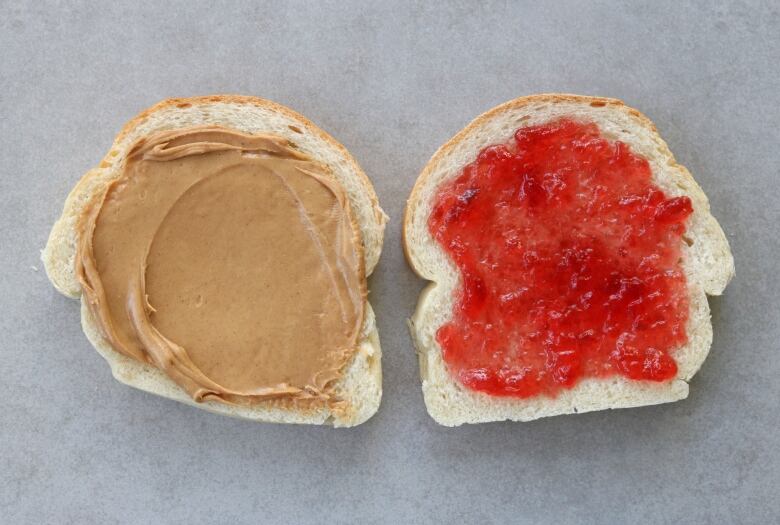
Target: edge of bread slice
708, 264
361, 386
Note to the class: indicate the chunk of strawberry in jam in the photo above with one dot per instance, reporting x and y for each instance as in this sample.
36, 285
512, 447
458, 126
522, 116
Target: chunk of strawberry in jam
570, 264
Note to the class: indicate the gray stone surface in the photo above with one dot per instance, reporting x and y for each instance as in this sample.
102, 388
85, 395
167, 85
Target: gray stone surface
392, 82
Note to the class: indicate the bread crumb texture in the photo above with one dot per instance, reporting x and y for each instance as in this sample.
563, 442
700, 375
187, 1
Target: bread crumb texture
707, 262
361, 387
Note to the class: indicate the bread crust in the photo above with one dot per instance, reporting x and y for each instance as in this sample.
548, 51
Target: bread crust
362, 383
450, 403
520, 102
263, 103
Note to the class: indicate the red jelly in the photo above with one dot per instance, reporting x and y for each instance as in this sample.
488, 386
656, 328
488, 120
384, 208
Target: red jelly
570, 260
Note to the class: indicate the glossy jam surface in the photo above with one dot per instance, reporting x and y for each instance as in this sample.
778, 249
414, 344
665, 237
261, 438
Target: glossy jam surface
570, 259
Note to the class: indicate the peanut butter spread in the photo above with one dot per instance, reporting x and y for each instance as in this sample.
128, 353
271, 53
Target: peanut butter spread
229, 261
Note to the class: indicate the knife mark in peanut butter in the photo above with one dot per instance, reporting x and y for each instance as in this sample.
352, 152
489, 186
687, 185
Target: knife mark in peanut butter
231, 262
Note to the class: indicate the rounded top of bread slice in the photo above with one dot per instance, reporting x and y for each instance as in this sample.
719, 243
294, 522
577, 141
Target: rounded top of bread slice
360, 387
708, 263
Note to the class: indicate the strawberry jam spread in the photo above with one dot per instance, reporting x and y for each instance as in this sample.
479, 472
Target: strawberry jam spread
571, 264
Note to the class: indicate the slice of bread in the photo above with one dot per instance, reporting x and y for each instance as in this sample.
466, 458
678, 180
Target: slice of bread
708, 264
361, 386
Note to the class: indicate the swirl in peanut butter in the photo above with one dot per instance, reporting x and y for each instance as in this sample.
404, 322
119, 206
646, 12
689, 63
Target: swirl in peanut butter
229, 261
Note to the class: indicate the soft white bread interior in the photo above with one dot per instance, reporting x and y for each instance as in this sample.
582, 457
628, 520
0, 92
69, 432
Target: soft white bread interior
708, 263
361, 386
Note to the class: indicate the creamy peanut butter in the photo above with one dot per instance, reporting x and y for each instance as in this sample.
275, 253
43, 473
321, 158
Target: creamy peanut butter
229, 261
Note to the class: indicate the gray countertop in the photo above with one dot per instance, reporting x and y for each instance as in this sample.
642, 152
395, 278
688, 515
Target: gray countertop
392, 82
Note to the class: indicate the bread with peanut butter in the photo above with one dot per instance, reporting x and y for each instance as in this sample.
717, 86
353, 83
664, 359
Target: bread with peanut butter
569, 259
220, 252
